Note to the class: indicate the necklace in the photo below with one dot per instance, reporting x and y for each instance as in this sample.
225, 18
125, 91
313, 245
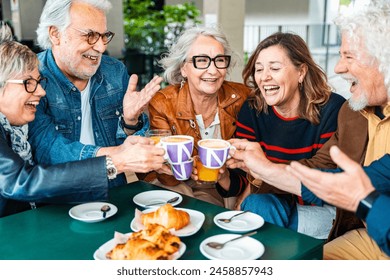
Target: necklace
212, 114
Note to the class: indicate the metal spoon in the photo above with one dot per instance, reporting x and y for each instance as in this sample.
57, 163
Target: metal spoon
105, 208
230, 219
217, 245
174, 199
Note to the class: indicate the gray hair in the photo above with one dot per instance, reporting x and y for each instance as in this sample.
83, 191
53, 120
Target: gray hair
56, 13
174, 59
15, 58
370, 26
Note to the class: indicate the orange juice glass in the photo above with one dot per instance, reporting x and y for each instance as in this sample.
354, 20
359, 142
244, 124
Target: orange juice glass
206, 175
157, 134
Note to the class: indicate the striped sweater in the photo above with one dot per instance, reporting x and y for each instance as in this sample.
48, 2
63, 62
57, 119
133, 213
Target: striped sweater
283, 139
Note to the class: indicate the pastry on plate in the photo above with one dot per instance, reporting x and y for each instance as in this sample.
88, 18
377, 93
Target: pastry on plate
166, 216
155, 242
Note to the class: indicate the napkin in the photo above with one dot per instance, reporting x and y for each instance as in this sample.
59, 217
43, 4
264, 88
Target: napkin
120, 238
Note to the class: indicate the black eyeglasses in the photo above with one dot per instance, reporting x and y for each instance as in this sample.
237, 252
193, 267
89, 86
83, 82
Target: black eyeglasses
93, 36
204, 61
30, 84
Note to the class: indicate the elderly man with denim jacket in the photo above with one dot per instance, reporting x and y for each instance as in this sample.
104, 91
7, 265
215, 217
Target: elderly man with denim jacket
91, 106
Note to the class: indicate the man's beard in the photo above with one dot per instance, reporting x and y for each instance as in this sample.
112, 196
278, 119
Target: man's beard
359, 103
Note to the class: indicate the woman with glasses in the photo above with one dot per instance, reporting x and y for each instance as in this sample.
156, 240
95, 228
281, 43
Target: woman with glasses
198, 101
22, 182
291, 115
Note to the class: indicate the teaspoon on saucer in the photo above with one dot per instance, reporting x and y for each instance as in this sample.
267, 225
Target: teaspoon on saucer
174, 199
217, 245
105, 208
228, 220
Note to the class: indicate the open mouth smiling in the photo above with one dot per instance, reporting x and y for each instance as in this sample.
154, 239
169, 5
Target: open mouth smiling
32, 104
92, 57
270, 89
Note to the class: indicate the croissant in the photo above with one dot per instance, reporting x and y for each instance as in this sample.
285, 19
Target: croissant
166, 216
137, 249
160, 236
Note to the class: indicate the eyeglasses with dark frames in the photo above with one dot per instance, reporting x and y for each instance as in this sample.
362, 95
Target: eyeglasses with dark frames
30, 84
204, 61
93, 36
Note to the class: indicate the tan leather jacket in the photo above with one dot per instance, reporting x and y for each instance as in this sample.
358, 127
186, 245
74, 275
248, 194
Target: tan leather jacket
172, 108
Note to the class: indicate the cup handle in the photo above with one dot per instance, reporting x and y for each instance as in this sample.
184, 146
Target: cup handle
231, 148
160, 145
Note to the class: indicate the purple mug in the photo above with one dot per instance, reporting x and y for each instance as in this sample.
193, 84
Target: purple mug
213, 153
182, 170
178, 148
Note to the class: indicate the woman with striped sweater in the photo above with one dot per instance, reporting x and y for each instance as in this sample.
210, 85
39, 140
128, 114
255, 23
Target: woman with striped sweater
291, 114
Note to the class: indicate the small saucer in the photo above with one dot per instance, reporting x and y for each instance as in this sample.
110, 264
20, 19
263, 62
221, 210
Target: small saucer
246, 248
243, 223
149, 197
91, 213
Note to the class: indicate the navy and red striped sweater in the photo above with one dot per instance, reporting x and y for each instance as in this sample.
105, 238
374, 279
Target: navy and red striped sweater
281, 139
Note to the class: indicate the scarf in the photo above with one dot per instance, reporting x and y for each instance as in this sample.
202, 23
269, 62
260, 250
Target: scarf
19, 135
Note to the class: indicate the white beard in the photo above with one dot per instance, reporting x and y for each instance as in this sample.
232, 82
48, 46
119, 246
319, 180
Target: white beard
359, 103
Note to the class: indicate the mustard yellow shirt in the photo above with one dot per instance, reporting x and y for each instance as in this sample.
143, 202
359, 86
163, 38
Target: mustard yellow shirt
378, 134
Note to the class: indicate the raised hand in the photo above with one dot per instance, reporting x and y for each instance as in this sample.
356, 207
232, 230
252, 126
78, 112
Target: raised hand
135, 102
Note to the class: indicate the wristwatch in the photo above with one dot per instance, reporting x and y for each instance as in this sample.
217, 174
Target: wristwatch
111, 169
365, 205
137, 126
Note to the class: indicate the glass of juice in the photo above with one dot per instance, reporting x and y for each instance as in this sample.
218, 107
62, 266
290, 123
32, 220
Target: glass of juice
206, 175
157, 134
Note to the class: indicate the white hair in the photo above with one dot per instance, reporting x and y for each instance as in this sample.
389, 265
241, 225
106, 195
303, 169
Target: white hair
369, 27
56, 13
173, 61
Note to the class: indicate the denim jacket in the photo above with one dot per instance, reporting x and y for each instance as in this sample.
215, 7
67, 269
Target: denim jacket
55, 133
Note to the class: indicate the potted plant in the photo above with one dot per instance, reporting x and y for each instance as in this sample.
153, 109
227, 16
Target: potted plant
149, 32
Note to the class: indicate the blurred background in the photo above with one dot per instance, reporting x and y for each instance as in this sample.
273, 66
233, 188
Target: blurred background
144, 29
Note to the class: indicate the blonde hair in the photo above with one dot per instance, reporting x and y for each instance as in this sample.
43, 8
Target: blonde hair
15, 58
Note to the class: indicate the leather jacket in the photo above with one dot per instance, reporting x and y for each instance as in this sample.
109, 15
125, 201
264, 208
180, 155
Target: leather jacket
351, 137
172, 108
74, 182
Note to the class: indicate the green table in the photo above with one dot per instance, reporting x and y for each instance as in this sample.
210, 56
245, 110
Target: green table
49, 233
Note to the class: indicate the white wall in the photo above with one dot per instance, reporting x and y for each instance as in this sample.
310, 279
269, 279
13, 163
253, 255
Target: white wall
115, 24
277, 12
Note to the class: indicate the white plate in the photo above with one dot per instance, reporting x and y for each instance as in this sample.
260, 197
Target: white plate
100, 253
145, 198
91, 213
246, 248
196, 221
243, 223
